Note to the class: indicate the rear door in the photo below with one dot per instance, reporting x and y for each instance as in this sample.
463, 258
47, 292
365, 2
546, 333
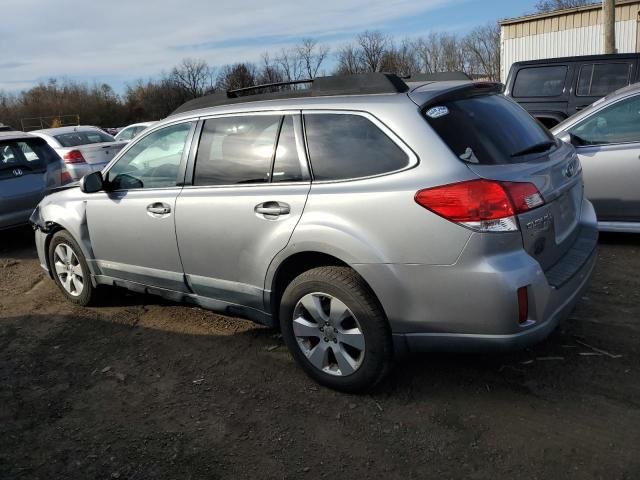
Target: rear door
248, 189
608, 144
596, 80
512, 147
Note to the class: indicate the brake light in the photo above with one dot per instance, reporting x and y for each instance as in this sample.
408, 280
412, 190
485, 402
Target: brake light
73, 156
65, 177
523, 305
482, 205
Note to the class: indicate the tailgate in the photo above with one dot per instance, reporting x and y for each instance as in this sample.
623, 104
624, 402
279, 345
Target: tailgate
550, 230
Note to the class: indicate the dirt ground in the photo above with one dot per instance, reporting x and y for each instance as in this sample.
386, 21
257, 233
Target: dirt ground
144, 389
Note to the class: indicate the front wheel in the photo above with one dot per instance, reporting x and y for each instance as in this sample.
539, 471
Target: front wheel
335, 329
70, 271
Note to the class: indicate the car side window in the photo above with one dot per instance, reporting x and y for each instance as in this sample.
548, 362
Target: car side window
600, 79
236, 150
617, 123
153, 162
540, 81
286, 165
343, 146
126, 134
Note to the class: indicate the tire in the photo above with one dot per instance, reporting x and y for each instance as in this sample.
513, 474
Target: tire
352, 351
73, 266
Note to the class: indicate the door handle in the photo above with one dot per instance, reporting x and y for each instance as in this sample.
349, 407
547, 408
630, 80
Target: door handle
273, 209
159, 208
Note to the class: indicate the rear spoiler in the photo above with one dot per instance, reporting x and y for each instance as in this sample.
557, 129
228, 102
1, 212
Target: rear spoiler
466, 90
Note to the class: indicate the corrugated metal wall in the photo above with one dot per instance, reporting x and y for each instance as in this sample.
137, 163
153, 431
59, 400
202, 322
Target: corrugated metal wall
564, 43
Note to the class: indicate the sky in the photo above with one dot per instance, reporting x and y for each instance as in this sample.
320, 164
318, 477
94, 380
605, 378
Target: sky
120, 41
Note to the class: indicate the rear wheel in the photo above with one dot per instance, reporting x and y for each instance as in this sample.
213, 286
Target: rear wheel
335, 329
70, 270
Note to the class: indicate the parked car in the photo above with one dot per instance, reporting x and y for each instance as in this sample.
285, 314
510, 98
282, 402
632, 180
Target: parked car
554, 89
5, 128
606, 136
83, 149
130, 131
353, 215
28, 167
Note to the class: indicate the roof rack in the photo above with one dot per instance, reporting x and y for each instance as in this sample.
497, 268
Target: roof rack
358, 84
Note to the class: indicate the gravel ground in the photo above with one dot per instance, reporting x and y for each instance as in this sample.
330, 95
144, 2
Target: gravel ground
141, 388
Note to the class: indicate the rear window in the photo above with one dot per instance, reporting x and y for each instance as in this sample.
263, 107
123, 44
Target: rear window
343, 146
540, 81
488, 129
598, 80
25, 155
86, 137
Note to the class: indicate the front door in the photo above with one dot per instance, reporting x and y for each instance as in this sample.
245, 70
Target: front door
608, 144
132, 225
250, 184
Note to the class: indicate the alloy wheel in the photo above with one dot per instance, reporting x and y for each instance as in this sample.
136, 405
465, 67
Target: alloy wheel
68, 269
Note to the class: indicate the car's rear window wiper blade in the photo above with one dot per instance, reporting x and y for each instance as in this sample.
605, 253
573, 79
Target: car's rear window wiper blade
538, 147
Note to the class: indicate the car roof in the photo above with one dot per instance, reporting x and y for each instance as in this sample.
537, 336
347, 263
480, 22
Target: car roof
15, 135
583, 58
139, 124
61, 130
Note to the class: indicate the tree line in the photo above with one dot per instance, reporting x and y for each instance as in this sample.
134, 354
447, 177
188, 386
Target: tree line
476, 53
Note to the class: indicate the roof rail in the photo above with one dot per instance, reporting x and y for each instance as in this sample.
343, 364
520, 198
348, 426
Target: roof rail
357, 84
437, 77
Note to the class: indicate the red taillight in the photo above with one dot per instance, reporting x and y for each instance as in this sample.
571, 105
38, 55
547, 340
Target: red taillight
523, 305
73, 156
65, 177
483, 205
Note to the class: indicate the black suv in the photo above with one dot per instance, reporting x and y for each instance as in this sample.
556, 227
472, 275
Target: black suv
554, 89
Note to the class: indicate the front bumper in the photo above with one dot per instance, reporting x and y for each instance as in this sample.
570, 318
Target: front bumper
472, 305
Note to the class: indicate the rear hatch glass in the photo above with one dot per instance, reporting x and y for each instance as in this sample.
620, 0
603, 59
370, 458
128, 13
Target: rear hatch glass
488, 130
498, 140
25, 156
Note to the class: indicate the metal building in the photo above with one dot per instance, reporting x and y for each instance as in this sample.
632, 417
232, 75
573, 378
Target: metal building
566, 33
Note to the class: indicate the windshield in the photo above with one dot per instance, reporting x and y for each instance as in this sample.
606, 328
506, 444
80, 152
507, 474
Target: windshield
83, 137
488, 129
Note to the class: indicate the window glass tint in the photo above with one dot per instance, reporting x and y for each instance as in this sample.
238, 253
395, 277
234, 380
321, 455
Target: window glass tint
286, 166
153, 162
488, 129
350, 146
30, 156
236, 150
540, 81
601, 79
86, 137
618, 123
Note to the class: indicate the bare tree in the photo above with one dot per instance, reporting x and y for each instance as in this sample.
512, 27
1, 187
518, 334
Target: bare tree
483, 48
311, 55
402, 60
373, 45
192, 75
349, 60
289, 63
551, 5
270, 72
239, 75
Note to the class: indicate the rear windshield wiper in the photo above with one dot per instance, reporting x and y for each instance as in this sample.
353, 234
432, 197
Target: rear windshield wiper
535, 148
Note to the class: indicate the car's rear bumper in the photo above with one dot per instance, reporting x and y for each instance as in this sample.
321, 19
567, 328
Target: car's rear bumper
15, 219
79, 170
472, 305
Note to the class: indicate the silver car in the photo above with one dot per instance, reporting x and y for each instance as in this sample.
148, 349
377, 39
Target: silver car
606, 136
28, 168
365, 217
84, 149
130, 131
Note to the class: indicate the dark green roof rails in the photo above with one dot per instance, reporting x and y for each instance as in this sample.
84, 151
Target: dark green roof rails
358, 84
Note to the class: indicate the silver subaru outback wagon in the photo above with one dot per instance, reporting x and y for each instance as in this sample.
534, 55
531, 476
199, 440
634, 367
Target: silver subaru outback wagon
365, 217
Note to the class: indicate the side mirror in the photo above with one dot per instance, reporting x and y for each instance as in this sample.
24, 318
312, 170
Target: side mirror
92, 183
